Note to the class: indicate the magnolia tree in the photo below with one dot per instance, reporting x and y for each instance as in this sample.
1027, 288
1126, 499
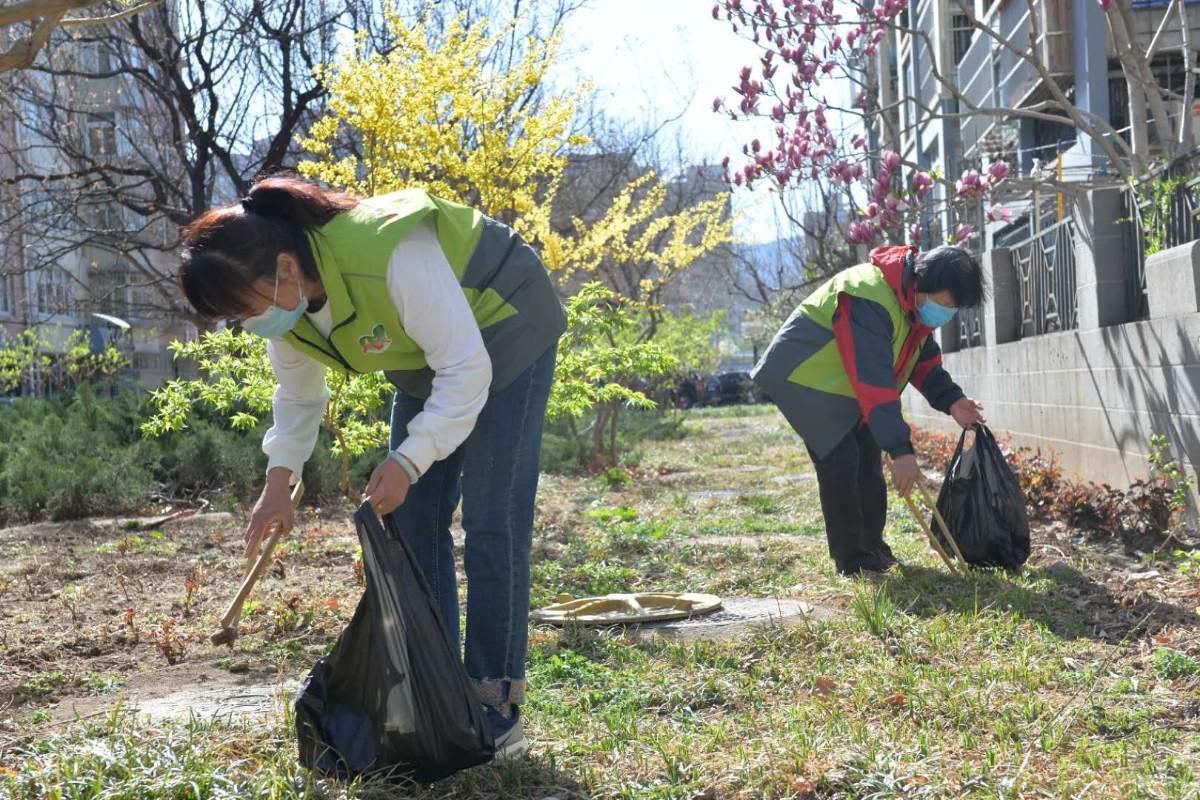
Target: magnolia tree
430, 113
807, 46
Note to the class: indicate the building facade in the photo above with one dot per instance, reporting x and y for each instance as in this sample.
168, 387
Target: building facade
71, 258
1086, 345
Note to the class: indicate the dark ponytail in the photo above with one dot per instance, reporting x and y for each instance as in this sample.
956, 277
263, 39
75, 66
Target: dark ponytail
227, 249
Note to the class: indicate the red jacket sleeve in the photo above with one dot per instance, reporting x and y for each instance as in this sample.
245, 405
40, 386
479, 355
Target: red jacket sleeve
863, 331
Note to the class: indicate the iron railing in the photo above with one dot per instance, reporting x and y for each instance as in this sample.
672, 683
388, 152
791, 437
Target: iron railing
970, 328
1045, 265
1159, 213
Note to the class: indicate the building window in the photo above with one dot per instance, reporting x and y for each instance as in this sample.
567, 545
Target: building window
146, 297
110, 291
102, 134
103, 217
152, 362
53, 293
5, 295
961, 31
101, 57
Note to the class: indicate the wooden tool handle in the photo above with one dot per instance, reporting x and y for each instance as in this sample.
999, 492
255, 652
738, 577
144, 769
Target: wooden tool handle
937, 515
260, 566
920, 518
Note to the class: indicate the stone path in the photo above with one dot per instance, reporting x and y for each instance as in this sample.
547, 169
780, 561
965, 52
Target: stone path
738, 616
227, 703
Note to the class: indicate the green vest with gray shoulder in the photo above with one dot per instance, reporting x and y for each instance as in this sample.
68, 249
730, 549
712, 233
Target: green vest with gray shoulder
823, 368
510, 294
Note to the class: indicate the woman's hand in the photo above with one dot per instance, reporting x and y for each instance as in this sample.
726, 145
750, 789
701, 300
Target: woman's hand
905, 474
274, 507
968, 413
387, 488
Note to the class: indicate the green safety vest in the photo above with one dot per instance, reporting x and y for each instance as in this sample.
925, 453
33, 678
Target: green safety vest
510, 294
824, 369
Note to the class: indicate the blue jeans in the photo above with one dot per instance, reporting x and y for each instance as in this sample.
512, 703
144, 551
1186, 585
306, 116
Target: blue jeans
495, 474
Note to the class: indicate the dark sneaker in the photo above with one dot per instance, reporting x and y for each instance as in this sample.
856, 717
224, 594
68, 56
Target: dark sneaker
887, 560
508, 734
877, 565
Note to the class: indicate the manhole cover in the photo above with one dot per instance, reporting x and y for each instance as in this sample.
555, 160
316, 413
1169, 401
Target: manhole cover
625, 608
737, 615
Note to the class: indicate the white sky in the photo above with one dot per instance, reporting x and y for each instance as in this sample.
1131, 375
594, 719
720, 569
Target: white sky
651, 60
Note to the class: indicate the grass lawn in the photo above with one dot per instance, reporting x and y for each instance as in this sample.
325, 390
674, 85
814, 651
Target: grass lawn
1077, 678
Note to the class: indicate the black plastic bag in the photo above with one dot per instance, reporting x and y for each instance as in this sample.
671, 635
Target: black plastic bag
392, 697
983, 505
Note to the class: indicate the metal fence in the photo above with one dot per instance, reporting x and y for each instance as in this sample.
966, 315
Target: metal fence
1045, 265
970, 328
1159, 213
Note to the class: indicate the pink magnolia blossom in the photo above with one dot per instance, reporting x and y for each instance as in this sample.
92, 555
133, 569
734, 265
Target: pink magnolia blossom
963, 233
859, 232
997, 172
1107, 5
914, 234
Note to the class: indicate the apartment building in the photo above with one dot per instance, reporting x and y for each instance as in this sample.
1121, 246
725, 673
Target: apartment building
932, 76
80, 261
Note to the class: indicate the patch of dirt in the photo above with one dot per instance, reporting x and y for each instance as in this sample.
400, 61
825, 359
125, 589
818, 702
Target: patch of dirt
92, 613
754, 541
1125, 597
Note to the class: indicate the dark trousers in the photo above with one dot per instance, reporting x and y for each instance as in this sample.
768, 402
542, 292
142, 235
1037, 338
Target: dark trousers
853, 500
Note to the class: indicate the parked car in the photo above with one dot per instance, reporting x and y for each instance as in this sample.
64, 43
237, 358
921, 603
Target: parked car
730, 387
690, 391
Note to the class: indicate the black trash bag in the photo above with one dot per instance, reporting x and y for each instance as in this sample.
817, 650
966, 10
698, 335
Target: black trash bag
983, 505
392, 698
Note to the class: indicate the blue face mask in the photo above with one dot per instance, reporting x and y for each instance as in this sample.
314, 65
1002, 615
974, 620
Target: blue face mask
935, 315
275, 321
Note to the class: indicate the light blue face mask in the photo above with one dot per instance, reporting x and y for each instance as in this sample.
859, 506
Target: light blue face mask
275, 321
934, 314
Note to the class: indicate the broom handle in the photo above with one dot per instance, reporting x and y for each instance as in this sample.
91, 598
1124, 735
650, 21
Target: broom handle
920, 518
937, 515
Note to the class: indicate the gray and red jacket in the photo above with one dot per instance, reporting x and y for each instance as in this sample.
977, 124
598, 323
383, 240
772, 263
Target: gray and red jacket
847, 352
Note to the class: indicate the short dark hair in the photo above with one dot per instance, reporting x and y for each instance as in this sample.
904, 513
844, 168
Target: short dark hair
951, 269
227, 249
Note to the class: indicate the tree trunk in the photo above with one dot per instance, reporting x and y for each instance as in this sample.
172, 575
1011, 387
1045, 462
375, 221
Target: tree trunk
598, 431
1139, 77
612, 437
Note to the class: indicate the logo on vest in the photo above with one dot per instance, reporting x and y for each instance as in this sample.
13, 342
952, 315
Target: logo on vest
376, 342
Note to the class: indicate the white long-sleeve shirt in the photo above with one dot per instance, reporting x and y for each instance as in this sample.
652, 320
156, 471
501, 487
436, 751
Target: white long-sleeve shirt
435, 314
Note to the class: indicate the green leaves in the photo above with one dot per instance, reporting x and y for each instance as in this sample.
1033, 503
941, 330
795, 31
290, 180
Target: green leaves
601, 355
62, 362
236, 380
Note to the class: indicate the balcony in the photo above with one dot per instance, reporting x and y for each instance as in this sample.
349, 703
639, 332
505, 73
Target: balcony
991, 75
